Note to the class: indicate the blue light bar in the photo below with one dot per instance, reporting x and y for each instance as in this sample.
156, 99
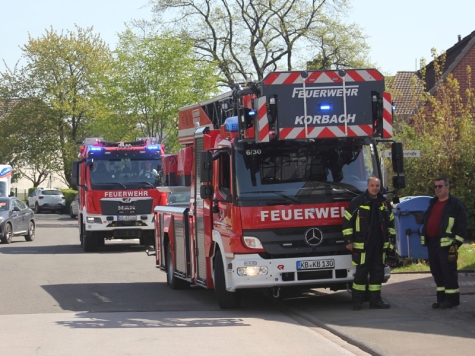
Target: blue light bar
95, 149
153, 148
252, 113
231, 124
324, 107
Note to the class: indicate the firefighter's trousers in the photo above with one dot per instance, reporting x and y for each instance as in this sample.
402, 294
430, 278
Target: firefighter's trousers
444, 272
365, 288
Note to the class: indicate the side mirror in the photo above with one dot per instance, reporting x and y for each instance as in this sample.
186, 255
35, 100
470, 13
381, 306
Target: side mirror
399, 182
75, 173
397, 157
206, 191
206, 166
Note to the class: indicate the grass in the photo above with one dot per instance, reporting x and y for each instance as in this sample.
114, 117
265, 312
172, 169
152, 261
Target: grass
466, 261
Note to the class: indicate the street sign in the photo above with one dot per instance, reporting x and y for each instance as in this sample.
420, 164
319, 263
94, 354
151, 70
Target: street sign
407, 153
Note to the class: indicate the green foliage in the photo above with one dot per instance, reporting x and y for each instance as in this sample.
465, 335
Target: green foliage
52, 96
443, 130
155, 76
466, 261
69, 195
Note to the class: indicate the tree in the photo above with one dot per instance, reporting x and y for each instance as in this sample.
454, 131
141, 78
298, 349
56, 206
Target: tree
62, 75
250, 38
443, 129
154, 77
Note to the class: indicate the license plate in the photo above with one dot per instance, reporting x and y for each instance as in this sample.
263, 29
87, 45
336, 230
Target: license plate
316, 264
126, 217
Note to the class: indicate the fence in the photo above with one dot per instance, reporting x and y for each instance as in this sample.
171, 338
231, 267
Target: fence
21, 194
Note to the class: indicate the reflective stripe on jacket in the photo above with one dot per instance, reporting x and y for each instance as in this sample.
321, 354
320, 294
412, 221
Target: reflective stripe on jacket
453, 224
356, 220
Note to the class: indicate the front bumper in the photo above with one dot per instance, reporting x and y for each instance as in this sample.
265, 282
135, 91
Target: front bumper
284, 272
104, 226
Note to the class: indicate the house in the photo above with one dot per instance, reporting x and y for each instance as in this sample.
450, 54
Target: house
407, 85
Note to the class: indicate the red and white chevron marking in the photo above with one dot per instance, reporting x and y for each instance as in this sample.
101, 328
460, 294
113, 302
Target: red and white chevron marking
387, 115
263, 122
325, 132
354, 75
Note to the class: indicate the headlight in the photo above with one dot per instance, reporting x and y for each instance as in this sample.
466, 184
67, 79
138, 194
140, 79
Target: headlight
92, 219
252, 271
252, 242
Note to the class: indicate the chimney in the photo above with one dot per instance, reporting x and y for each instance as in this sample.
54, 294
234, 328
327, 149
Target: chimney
460, 38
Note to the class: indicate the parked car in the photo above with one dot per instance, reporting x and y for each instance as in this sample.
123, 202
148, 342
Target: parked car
74, 207
47, 199
16, 218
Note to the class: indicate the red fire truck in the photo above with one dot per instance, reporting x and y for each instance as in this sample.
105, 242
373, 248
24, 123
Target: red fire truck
270, 168
117, 190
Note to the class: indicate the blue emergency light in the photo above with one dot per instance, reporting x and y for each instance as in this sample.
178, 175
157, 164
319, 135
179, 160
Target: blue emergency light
231, 124
252, 113
95, 149
153, 148
324, 107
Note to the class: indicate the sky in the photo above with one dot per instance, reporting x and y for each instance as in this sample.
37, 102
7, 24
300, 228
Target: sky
399, 32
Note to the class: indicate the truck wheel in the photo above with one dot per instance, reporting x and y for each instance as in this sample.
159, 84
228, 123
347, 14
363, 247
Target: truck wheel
226, 300
89, 243
8, 234
172, 281
30, 236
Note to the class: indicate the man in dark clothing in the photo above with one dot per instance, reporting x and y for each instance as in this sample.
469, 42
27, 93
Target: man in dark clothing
368, 227
444, 230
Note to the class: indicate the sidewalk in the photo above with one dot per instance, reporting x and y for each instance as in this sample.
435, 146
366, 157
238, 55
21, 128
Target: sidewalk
410, 327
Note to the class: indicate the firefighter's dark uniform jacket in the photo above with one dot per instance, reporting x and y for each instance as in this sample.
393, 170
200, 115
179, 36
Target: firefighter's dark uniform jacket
370, 243
357, 219
452, 230
453, 225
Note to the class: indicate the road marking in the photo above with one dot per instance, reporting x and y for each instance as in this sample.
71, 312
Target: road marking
101, 298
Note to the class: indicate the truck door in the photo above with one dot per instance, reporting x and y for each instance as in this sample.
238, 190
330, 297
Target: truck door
222, 212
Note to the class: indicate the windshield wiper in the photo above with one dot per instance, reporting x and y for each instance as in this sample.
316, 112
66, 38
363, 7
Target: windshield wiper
147, 183
278, 192
337, 186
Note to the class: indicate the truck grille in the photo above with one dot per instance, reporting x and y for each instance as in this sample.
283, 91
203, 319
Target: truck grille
134, 207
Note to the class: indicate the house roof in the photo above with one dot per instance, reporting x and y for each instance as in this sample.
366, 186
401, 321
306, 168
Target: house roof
407, 84
404, 89
453, 57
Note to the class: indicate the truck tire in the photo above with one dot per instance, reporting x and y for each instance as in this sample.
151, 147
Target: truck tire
30, 236
226, 300
172, 281
89, 243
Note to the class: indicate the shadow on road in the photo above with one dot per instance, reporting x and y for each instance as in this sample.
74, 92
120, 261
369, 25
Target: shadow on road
18, 247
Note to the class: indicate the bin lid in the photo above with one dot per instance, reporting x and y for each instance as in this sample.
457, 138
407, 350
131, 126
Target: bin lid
414, 203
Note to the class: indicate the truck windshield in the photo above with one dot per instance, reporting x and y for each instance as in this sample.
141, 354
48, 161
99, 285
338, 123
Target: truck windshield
302, 173
125, 173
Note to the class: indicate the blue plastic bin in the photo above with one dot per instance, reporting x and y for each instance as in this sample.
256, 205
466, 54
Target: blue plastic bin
409, 218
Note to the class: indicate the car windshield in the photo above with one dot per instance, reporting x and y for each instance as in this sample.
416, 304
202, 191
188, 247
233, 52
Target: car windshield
302, 173
125, 173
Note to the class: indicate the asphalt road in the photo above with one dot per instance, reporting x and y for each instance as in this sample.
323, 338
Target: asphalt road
57, 300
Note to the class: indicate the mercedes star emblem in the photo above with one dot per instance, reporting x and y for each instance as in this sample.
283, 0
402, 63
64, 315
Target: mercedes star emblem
313, 237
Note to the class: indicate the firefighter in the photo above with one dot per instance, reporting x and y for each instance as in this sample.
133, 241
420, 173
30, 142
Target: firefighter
443, 232
368, 228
